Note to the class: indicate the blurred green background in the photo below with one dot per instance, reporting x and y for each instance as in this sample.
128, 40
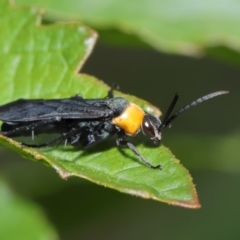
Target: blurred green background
206, 139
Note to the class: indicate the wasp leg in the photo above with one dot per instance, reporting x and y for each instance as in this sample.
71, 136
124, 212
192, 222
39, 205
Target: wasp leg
64, 136
43, 144
77, 97
110, 92
122, 142
95, 138
31, 127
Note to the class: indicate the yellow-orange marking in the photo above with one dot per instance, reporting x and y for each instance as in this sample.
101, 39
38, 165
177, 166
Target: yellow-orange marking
130, 120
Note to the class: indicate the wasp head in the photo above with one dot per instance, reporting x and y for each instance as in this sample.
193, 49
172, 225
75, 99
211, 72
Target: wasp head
151, 126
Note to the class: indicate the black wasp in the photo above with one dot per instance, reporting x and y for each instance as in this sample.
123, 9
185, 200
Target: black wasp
86, 122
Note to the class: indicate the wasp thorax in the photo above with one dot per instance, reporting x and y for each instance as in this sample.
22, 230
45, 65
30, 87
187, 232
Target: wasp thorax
150, 127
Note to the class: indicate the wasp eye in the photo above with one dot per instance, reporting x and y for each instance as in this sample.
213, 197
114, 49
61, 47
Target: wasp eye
147, 127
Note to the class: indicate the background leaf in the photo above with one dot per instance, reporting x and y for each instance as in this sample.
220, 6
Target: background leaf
21, 218
186, 26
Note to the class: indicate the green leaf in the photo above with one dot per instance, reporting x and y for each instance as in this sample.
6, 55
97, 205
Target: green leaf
39, 62
21, 219
177, 26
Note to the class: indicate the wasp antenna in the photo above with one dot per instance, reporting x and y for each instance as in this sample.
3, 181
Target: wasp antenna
193, 104
170, 109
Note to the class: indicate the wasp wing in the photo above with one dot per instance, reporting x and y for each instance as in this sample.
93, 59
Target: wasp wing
70, 108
